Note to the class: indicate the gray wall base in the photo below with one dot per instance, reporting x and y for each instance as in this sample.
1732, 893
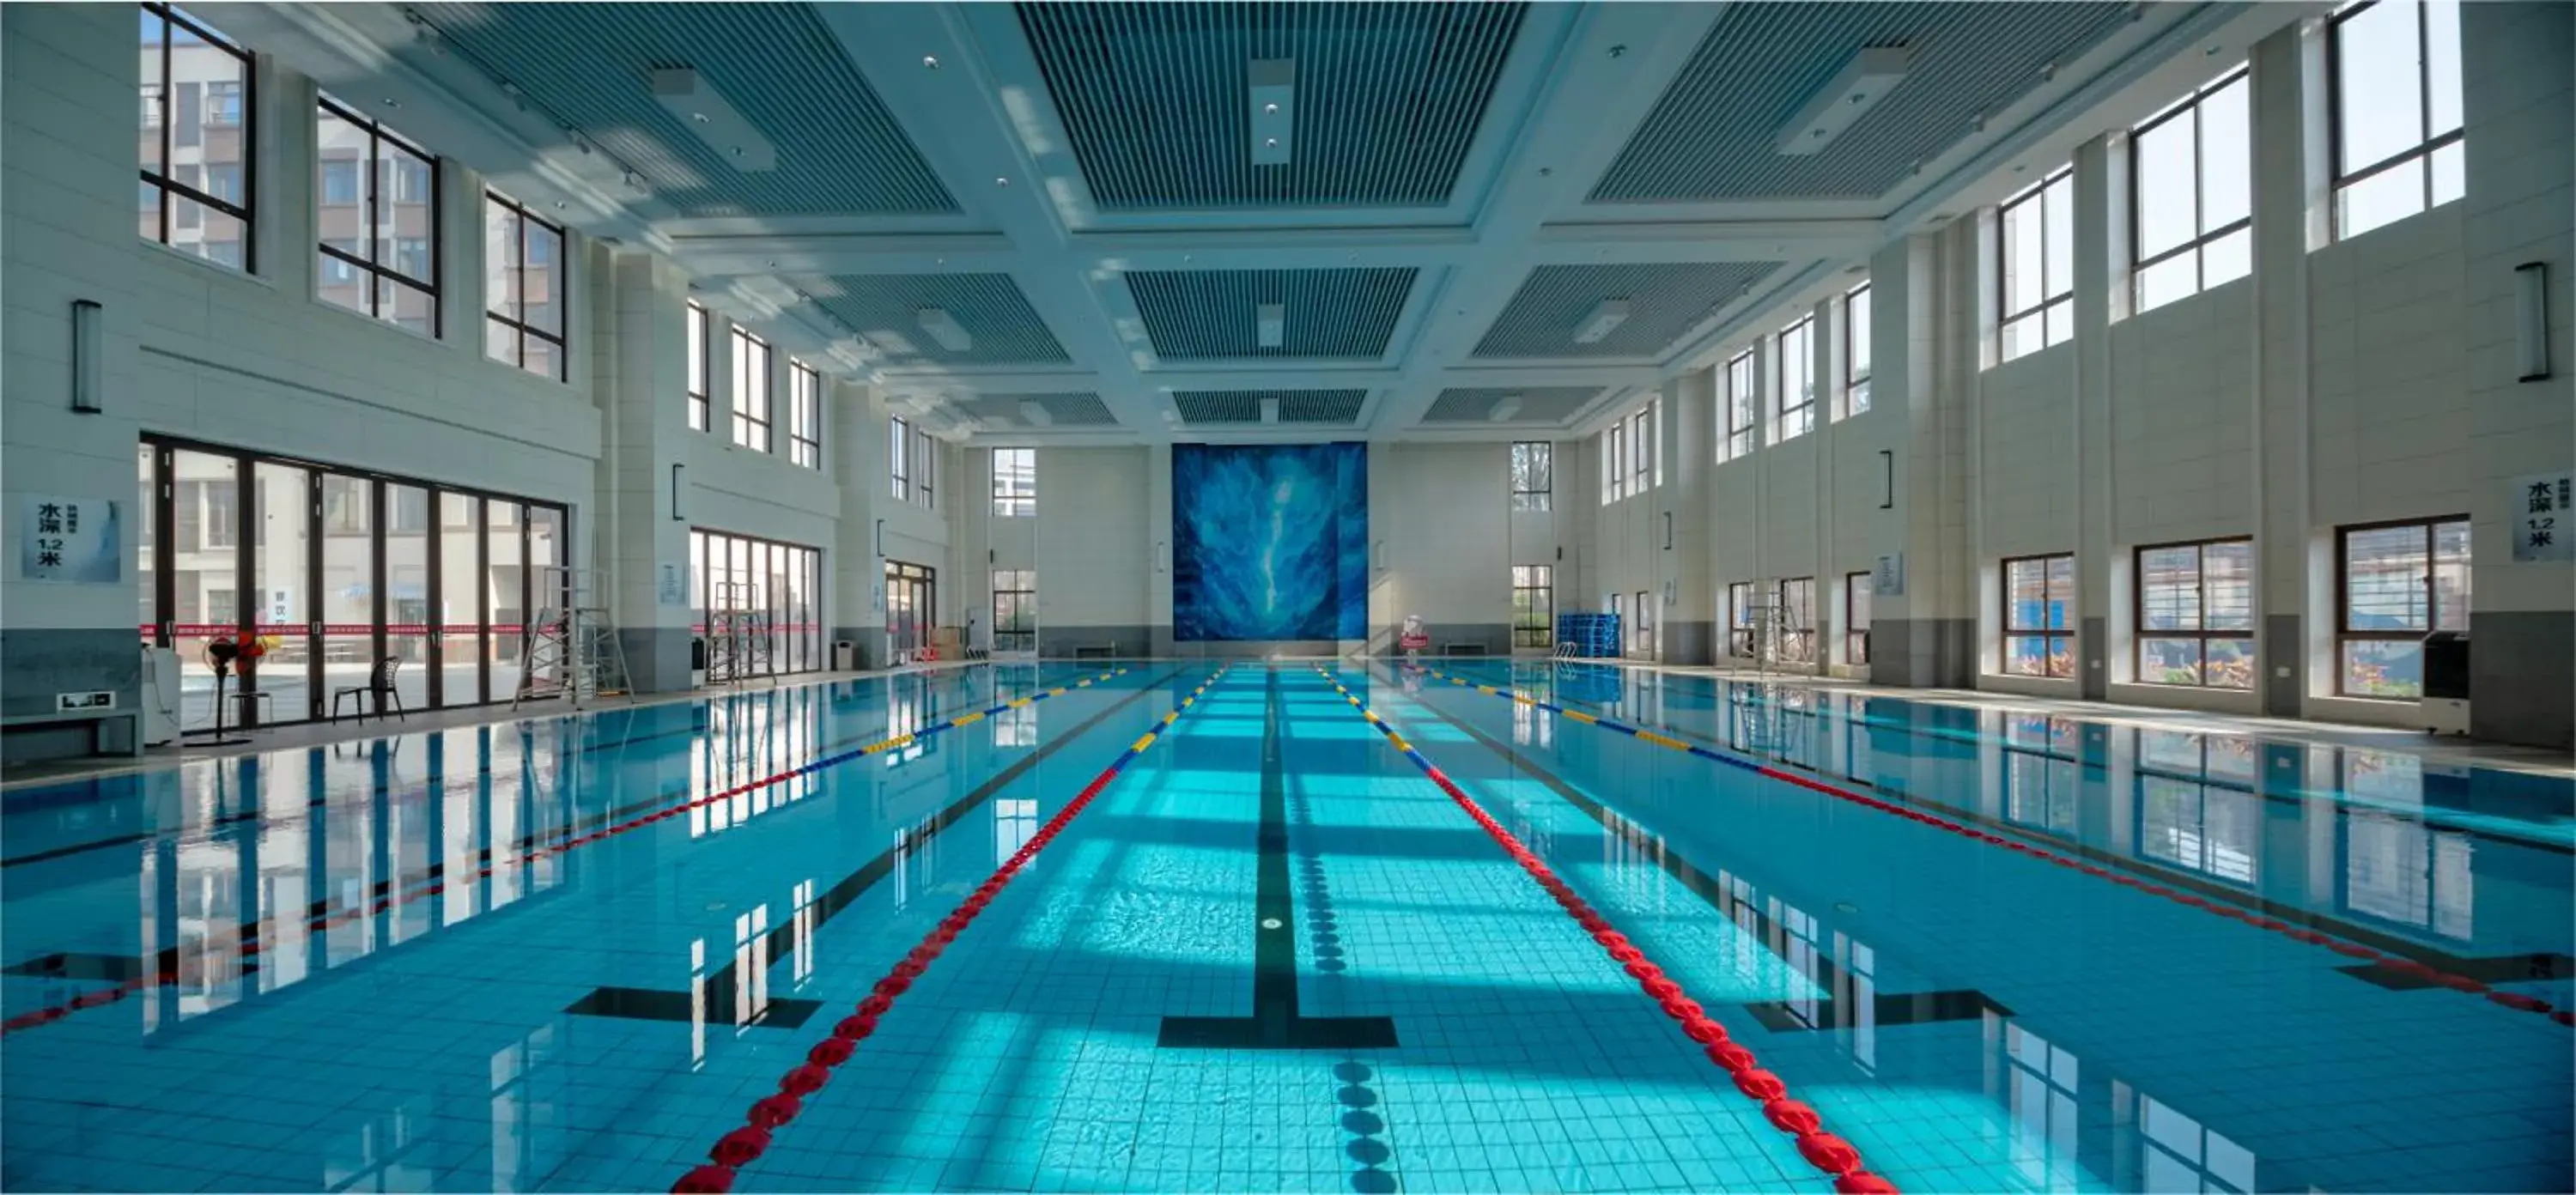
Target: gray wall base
1923, 653
38, 662
2283, 695
1691, 643
2522, 677
657, 658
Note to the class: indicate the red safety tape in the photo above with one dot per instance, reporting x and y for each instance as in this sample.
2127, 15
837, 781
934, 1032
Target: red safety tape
744, 1145
1826, 1152
2353, 950
328, 920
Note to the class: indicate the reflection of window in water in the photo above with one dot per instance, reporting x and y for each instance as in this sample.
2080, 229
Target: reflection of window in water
2044, 1080
2396, 867
910, 706
1862, 966
804, 898
1014, 823
1798, 948
522, 1150
1857, 761
750, 965
1015, 727
2042, 779
1633, 858
2182, 1156
1531, 726
2193, 807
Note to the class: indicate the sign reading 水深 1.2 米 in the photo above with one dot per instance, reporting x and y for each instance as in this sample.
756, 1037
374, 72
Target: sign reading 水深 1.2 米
71, 541
2543, 519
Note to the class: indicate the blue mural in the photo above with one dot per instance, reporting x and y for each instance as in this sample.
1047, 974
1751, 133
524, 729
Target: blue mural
1270, 541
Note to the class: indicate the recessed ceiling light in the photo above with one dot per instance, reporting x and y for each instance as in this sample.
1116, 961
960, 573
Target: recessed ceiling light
699, 117
2212, 52
391, 102
1000, 181
930, 61
559, 205
1270, 109
1272, 142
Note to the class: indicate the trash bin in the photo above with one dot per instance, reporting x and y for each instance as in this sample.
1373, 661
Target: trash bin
698, 654
845, 656
2445, 706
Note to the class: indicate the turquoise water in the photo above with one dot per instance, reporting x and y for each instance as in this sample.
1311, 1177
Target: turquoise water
1272, 953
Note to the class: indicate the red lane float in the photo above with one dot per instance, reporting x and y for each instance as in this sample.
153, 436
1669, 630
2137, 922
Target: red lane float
744, 1145
1827, 1153
2435, 977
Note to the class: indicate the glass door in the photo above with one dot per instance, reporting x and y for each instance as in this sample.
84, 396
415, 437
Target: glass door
408, 625
505, 583
348, 609
206, 566
457, 644
282, 597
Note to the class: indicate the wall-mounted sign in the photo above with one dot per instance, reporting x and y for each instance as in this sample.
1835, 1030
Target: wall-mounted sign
70, 541
1888, 579
669, 591
2541, 516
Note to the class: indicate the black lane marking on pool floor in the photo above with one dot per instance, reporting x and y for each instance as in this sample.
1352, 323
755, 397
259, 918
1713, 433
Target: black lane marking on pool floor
1275, 1023
2385, 943
2493, 969
1904, 1008
654, 1004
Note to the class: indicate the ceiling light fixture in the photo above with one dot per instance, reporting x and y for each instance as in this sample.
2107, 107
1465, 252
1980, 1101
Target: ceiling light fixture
1270, 325
1833, 109
1608, 315
1508, 406
1034, 415
930, 61
944, 328
687, 95
1273, 84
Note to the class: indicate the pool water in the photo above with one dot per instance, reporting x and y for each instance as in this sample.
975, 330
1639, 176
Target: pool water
1162, 925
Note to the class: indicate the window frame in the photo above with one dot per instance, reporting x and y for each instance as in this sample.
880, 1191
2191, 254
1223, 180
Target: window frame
2139, 632
754, 402
1615, 469
2340, 177
1801, 414
701, 366
925, 469
1024, 588
1856, 628
1543, 497
519, 360
2048, 636
1743, 397
804, 414
1538, 579
370, 182
2188, 107
1739, 623
1015, 503
1798, 641
1856, 370
2345, 636
899, 456
2006, 318
1641, 452
166, 183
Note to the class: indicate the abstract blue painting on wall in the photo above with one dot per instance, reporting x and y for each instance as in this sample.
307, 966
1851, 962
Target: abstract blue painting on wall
1270, 541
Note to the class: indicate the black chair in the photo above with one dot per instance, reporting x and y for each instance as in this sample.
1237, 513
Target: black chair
379, 686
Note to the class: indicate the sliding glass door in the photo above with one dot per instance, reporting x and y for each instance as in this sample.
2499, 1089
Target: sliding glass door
345, 569
758, 604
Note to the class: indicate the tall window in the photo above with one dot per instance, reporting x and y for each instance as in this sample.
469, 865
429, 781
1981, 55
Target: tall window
1533, 474
1739, 620
2193, 212
1643, 641
1856, 351
1619, 616
751, 400
2398, 582
1533, 605
1857, 590
898, 452
2035, 266
1741, 394
700, 406
379, 227
1798, 620
2396, 89
1795, 414
804, 415
1015, 606
1015, 483
1641, 450
2196, 614
2039, 639
925, 464
195, 144
524, 288
1614, 462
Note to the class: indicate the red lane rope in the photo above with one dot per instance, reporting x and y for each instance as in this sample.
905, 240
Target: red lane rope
1826, 1152
2433, 976
325, 920
744, 1145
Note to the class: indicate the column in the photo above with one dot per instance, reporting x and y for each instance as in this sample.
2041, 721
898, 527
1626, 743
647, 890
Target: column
641, 540
1689, 413
859, 463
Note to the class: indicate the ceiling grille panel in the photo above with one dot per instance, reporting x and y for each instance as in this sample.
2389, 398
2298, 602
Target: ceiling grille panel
1244, 406
885, 308
1156, 99
1539, 404
1214, 313
1664, 301
1713, 134
839, 150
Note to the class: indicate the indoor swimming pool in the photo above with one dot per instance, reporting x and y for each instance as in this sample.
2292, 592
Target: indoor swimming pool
1291, 925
